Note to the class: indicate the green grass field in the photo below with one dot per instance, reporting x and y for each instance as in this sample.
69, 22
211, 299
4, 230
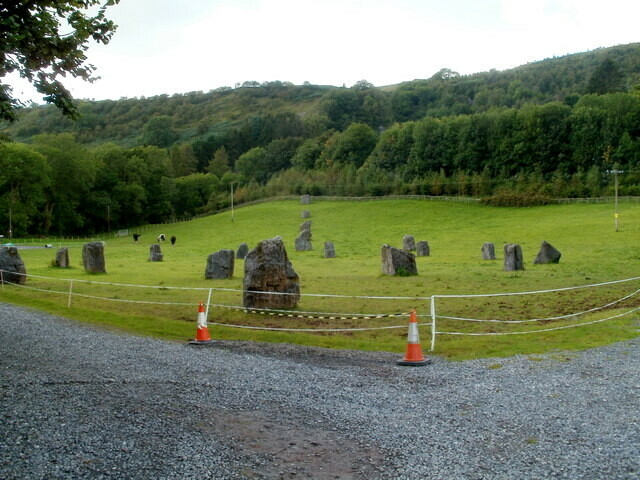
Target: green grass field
592, 252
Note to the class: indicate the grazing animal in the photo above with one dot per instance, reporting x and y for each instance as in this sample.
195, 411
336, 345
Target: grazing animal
161, 237
173, 239
136, 236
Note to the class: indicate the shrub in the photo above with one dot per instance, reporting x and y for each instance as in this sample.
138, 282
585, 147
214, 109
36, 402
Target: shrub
516, 199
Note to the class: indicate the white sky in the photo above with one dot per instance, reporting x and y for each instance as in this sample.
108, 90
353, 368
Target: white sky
165, 46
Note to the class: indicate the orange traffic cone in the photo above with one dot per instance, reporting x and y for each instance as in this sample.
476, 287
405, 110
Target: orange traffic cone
413, 356
202, 333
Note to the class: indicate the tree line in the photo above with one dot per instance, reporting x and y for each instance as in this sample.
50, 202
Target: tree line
556, 128
58, 185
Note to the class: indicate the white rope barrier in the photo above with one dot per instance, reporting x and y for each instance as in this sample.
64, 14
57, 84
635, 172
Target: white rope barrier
249, 327
279, 313
542, 329
536, 292
158, 287
233, 290
559, 317
94, 297
362, 297
142, 302
311, 315
342, 316
27, 287
162, 287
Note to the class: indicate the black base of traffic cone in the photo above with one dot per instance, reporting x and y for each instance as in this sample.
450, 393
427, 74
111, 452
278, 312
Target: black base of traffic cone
414, 363
200, 342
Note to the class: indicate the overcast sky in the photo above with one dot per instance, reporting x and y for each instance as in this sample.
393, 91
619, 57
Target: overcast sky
167, 47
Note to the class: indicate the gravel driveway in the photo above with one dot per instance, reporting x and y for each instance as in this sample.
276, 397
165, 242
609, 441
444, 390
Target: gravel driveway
77, 402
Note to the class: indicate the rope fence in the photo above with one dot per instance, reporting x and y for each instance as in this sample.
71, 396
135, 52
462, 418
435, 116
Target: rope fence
229, 299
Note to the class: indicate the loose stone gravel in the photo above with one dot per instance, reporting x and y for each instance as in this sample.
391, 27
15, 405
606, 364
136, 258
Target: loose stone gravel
78, 402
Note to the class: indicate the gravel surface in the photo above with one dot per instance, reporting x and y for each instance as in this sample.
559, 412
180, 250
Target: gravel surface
78, 402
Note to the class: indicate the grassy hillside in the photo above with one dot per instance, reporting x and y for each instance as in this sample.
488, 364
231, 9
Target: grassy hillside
194, 114
592, 252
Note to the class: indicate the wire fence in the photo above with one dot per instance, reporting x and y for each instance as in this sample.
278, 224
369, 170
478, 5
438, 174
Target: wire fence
433, 198
448, 315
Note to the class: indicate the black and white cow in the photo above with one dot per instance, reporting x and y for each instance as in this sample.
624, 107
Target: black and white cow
162, 238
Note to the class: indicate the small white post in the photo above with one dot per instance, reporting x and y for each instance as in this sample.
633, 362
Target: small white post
206, 312
70, 290
433, 322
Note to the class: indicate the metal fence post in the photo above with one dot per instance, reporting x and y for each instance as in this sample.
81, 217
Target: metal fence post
206, 313
70, 290
433, 322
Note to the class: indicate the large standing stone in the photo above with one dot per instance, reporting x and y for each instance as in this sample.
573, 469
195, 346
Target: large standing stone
243, 249
155, 253
220, 265
306, 214
513, 257
329, 250
62, 258
488, 251
12, 266
305, 199
408, 243
422, 249
547, 254
267, 269
93, 257
303, 242
398, 262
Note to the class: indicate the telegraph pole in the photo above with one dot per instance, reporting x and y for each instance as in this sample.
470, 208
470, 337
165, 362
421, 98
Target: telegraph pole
607, 158
615, 173
615, 201
232, 201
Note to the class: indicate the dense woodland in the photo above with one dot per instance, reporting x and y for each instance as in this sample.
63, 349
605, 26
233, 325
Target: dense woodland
554, 128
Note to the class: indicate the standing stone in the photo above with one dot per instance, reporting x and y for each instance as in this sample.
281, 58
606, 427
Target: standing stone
408, 243
267, 269
93, 257
12, 266
329, 250
220, 265
305, 199
306, 214
398, 262
547, 254
513, 257
422, 249
243, 249
488, 251
62, 258
303, 242
155, 253
305, 226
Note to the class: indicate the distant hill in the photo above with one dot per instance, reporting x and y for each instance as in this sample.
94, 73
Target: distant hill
197, 115
193, 114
